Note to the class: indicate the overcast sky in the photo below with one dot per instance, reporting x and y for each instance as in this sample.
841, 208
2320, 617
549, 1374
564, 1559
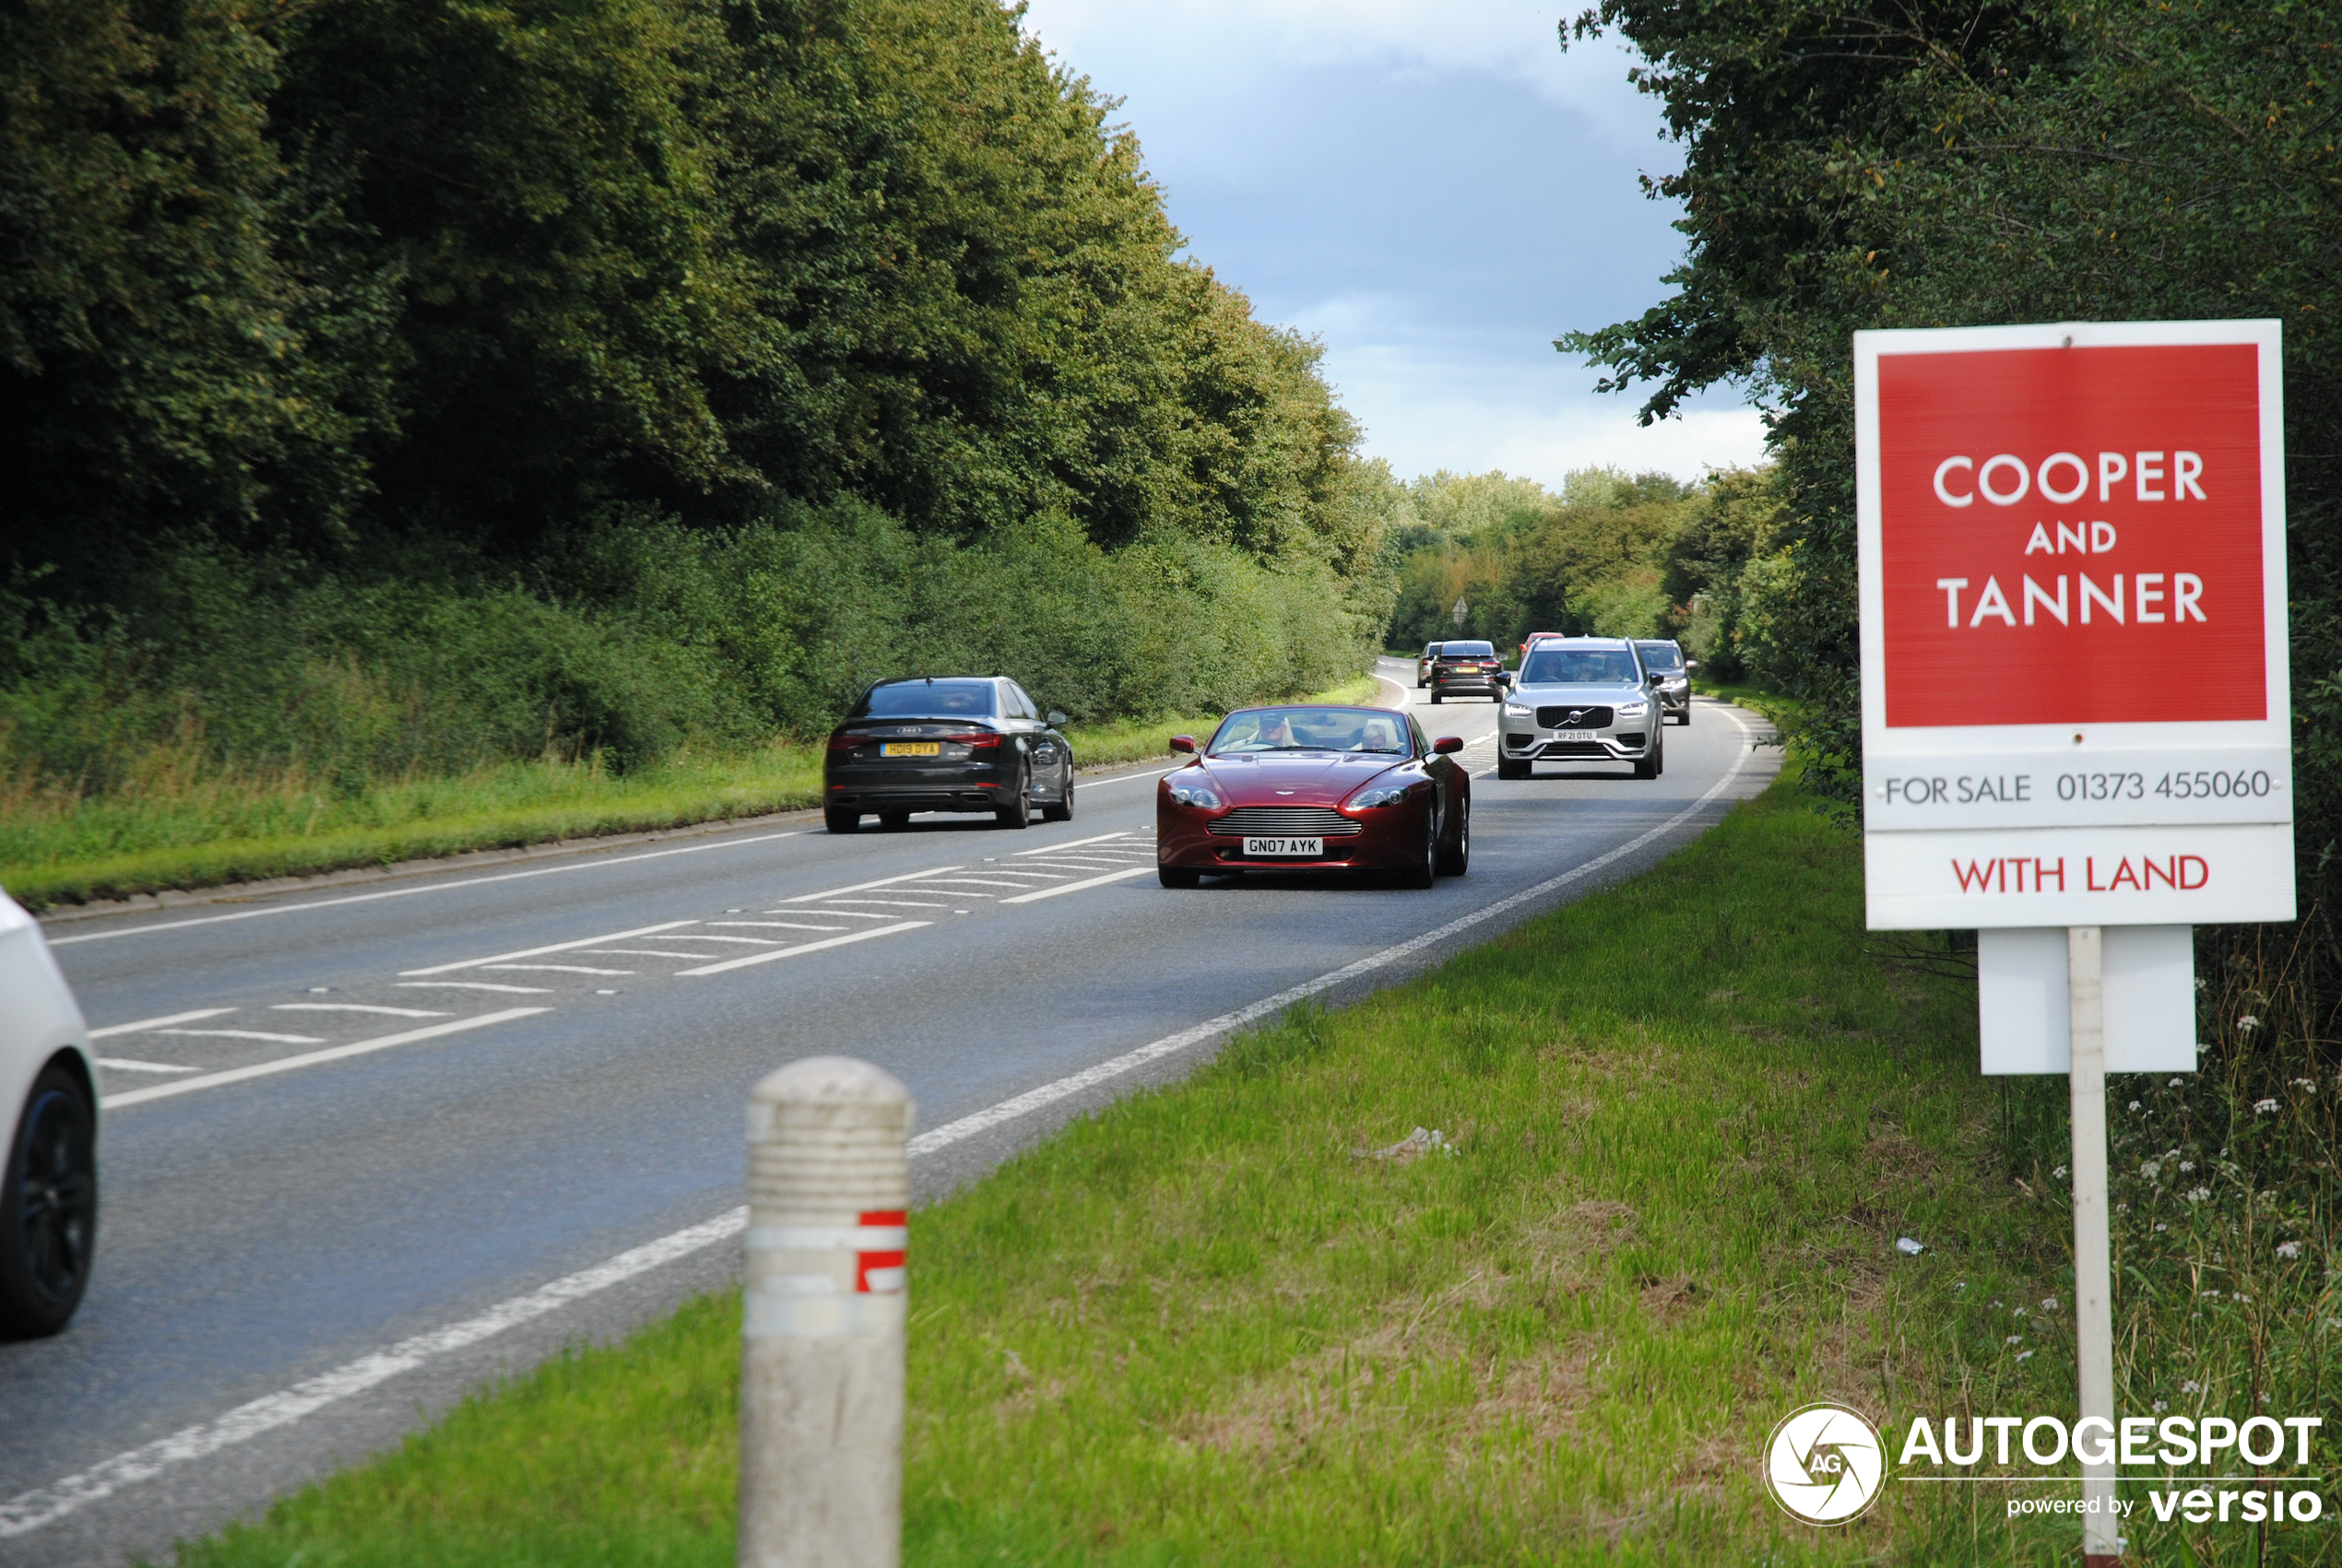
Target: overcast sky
1435, 190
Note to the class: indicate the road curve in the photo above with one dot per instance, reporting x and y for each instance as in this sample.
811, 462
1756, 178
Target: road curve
365, 1150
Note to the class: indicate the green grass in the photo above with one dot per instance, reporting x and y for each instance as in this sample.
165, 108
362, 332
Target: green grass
185, 824
1690, 1116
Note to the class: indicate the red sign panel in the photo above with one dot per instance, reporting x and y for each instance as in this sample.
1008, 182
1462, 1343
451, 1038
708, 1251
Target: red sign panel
2072, 535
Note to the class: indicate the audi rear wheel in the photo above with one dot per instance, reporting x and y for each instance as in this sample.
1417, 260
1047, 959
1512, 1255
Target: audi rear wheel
838, 820
1063, 810
1019, 815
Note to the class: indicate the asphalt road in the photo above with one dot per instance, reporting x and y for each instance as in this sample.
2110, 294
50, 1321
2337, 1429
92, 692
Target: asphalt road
367, 1148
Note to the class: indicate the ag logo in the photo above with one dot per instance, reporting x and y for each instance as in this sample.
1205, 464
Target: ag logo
1824, 1464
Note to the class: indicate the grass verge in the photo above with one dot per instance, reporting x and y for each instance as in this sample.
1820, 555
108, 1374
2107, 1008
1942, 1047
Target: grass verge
193, 827
1688, 1117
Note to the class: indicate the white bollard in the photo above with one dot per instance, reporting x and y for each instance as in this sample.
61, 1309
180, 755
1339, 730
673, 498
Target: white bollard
822, 1333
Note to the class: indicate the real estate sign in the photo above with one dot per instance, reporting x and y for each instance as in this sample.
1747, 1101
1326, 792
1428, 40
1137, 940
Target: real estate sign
2075, 692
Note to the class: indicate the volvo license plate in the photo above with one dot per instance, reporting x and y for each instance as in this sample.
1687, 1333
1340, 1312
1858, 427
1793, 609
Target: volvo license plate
1268, 849
910, 749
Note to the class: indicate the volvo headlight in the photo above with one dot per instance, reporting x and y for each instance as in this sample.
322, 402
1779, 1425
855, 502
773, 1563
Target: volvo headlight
1381, 794
1632, 710
1515, 711
1193, 791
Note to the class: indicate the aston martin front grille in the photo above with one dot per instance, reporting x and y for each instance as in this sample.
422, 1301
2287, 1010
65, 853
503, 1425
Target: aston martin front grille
1302, 821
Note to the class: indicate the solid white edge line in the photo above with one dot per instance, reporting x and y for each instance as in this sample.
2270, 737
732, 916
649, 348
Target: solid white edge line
1077, 887
555, 947
310, 1059
30, 1511
426, 888
157, 1023
1125, 778
803, 948
882, 882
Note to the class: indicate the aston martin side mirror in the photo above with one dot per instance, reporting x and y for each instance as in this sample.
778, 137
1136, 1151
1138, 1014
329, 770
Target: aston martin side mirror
1183, 743
1447, 745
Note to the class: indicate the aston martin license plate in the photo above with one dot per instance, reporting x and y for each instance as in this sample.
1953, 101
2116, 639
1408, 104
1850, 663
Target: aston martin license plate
910, 749
1307, 849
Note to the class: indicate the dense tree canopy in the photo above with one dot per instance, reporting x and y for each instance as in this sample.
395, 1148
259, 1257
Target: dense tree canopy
316, 276
1852, 165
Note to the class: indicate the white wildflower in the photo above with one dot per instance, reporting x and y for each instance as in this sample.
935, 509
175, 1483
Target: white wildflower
2024, 1355
2149, 1170
2306, 1085
2248, 1022
2185, 1166
2059, 1173
2190, 1387
2161, 1406
2176, 1083
2017, 1339
2197, 1195
2160, 1226
2243, 1297
2049, 1303
2134, 1104
2262, 1107
2289, 1249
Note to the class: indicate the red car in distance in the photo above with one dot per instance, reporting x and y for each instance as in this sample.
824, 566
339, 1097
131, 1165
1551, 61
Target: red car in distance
1309, 788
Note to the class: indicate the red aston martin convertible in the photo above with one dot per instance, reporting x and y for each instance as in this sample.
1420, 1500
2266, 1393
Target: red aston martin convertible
1318, 789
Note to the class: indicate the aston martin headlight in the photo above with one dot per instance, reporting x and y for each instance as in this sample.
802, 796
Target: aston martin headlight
1381, 794
1193, 791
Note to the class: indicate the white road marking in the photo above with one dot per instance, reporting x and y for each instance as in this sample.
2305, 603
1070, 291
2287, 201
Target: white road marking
311, 1059
778, 925
891, 903
411, 893
146, 1023
1125, 778
244, 1034
805, 948
838, 913
1018, 871
561, 968
751, 941
32, 1510
621, 953
352, 1007
882, 882
472, 986
1075, 843
1077, 887
497, 960
983, 882
1079, 865
124, 1065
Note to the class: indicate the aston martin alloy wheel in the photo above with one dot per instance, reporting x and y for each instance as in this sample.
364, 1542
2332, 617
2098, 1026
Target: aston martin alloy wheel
48, 1209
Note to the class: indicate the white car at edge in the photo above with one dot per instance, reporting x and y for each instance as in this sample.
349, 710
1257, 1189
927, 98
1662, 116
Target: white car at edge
49, 1115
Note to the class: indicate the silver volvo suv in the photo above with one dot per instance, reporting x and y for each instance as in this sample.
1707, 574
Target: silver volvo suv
1582, 699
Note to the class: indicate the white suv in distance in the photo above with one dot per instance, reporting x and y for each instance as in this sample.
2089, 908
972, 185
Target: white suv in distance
1666, 661
1582, 699
49, 1115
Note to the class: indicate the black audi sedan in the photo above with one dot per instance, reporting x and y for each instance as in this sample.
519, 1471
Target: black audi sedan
947, 743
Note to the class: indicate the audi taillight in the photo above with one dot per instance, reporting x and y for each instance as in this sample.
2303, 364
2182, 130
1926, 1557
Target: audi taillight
976, 740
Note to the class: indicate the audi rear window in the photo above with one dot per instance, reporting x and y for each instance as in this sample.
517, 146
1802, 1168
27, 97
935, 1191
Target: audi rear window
1466, 651
928, 700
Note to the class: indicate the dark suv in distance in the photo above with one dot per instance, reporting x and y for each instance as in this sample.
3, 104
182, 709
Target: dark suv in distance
1666, 661
947, 743
1467, 669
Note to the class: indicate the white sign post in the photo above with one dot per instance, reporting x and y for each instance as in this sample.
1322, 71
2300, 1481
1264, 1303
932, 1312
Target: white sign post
2076, 713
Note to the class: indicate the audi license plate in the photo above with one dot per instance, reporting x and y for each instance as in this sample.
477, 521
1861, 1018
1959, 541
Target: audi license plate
910, 749
1262, 849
